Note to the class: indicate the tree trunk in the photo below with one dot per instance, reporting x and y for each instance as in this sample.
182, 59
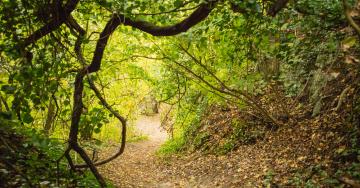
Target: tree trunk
50, 117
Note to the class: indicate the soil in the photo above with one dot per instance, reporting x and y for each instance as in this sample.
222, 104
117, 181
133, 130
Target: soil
275, 158
138, 165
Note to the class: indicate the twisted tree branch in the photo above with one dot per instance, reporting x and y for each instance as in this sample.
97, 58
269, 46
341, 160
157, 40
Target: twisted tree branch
118, 116
56, 22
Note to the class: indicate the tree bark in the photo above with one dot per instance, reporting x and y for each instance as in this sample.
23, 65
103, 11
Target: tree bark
50, 117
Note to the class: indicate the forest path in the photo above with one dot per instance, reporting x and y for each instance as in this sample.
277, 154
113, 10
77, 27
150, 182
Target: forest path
150, 126
138, 165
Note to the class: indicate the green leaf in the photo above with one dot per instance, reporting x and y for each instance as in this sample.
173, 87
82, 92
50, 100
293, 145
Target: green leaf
162, 8
27, 118
178, 3
66, 101
97, 130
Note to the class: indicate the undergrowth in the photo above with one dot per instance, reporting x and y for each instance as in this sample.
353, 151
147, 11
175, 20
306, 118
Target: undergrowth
210, 132
172, 146
28, 159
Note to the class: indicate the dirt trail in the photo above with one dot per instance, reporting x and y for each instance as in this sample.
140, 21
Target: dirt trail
274, 158
150, 125
138, 165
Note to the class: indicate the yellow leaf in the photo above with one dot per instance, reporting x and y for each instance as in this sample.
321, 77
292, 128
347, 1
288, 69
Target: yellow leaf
340, 149
349, 42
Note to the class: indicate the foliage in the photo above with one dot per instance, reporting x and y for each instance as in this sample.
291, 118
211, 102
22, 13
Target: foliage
240, 135
172, 146
235, 58
29, 159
